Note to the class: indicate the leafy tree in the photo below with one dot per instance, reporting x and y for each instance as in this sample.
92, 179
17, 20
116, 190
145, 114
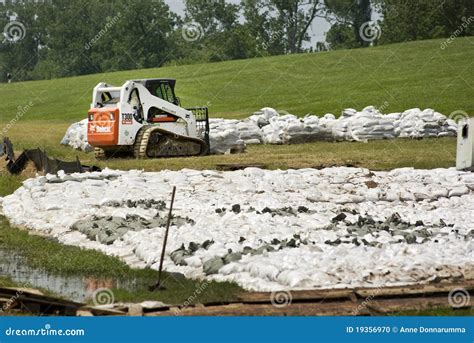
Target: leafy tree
70, 27
60, 38
457, 16
281, 26
347, 18
90, 37
214, 16
405, 20
21, 46
341, 36
140, 35
65, 38
211, 31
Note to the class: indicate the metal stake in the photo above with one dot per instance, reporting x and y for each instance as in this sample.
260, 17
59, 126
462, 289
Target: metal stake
158, 285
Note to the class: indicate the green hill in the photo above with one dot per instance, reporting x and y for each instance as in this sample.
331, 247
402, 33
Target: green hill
395, 77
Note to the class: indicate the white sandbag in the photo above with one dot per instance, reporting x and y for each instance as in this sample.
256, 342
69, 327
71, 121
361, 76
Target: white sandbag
76, 136
225, 142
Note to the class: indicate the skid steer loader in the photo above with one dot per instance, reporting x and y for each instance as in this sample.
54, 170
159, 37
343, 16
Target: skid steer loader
144, 118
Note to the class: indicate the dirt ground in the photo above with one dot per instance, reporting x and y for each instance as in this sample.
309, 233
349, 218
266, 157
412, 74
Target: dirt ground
29, 171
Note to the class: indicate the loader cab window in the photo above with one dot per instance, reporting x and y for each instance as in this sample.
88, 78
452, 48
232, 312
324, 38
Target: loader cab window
135, 102
105, 96
108, 100
465, 131
164, 91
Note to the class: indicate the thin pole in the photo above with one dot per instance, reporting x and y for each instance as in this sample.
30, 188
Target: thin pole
158, 284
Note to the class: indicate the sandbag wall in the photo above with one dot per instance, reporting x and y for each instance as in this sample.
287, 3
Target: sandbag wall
270, 126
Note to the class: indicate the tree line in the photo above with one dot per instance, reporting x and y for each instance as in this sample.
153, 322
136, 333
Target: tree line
58, 38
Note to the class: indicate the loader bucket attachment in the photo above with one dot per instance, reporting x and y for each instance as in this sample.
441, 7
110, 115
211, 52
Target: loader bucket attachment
40, 159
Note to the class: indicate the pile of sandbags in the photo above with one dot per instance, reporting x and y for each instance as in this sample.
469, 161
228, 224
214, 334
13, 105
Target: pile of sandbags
289, 129
272, 127
361, 126
415, 123
265, 229
224, 138
76, 136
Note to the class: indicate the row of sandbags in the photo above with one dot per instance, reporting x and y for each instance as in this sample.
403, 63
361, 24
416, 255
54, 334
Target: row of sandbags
269, 126
221, 140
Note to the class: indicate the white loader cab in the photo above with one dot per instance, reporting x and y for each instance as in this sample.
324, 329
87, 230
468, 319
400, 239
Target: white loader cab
144, 118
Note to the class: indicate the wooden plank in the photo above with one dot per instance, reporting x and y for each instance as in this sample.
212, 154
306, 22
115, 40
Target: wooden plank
337, 308
84, 313
135, 310
297, 296
390, 306
388, 300
412, 289
334, 294
25, 294
102, 311
23, 290
295, 309
46, 301
4, 300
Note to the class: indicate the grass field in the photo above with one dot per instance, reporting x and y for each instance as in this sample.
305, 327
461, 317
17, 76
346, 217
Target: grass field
393, 77
397, 77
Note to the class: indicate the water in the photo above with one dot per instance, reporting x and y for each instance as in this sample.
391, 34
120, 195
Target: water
76, 288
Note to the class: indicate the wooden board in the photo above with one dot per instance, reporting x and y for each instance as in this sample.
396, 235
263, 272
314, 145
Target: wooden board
358, 301
259, 297
412, 289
